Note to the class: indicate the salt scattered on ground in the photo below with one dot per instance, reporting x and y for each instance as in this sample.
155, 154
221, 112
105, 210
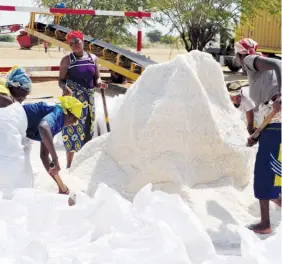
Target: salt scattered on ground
37, 227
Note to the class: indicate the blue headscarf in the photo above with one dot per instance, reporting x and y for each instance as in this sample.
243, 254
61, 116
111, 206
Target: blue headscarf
19, 78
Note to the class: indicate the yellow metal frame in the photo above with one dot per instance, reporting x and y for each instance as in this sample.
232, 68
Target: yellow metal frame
111, 66
277, 51
118, 59
57, 18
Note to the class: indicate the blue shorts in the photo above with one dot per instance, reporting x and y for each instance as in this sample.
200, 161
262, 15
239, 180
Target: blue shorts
267, 166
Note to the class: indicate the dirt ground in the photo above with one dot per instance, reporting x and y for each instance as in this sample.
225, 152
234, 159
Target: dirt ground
11, 55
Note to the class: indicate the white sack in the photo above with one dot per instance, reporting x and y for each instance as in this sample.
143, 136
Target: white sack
16, 171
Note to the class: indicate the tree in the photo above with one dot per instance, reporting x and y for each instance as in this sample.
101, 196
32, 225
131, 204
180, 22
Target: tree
6, 38
168, 39
154, 36
199, 21
100, 27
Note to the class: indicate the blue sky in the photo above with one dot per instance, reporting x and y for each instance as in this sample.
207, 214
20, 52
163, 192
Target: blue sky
7, 18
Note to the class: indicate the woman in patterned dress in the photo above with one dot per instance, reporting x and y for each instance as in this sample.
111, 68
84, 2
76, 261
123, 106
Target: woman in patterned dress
79, 74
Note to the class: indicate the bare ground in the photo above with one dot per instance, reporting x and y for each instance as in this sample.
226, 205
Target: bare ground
11, 55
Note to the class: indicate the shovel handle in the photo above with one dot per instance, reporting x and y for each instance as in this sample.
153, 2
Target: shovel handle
58, 180
107, 120
265, 122
60, 183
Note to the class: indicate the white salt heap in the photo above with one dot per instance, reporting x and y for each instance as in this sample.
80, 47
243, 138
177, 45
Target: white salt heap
173, 129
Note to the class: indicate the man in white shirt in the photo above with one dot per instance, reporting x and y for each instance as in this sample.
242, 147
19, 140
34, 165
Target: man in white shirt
243, 103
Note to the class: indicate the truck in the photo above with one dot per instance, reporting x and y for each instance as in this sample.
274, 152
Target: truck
263, 27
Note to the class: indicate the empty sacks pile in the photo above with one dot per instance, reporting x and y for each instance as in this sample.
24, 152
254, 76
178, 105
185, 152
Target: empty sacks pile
173, 129
38, 227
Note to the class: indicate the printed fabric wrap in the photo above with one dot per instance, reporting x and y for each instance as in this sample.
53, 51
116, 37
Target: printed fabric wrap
77, 135
246, 46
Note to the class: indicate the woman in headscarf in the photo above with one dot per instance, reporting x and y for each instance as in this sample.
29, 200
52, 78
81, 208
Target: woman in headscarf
14, 86
264, 76
79, 74
45, 121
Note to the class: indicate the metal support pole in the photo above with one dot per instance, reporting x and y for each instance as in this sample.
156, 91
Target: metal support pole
139, 33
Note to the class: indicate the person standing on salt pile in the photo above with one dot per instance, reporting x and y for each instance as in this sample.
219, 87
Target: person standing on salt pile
14, 86
243, 103
45, 121
79, 74
264, 76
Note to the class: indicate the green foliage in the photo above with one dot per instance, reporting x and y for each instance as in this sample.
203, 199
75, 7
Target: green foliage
168, 39
6, 38
126, 41
111, 29
199, 21
154, 36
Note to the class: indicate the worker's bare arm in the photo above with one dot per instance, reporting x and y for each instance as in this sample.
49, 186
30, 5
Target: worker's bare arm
64, 66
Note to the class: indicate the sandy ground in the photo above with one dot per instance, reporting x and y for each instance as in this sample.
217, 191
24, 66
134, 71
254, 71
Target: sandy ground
11, 55
54, 56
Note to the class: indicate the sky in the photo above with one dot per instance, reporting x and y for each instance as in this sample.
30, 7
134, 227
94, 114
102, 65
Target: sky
7, 17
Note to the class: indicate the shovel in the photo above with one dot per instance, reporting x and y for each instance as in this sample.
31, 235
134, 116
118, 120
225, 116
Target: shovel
256, 134
105, 108
265, 122
62, 186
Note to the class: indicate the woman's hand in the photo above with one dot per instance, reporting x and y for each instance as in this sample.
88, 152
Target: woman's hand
67, 91
251, 142
54, 168
102, 85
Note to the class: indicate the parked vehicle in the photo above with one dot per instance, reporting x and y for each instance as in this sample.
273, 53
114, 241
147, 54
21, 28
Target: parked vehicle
264, 28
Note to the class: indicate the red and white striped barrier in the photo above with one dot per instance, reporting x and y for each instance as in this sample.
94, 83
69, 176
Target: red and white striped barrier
32, 69
139, 14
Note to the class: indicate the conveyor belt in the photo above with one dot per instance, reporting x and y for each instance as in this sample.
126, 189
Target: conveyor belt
120, 61
137, 58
